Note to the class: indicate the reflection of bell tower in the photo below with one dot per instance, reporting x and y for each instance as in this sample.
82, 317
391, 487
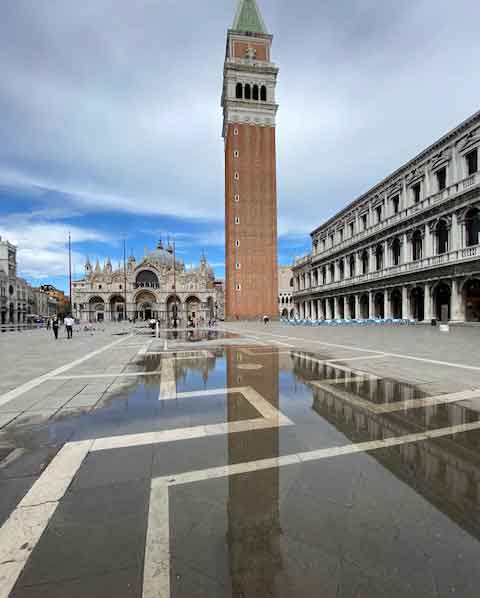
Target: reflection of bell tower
253, 509
249, 112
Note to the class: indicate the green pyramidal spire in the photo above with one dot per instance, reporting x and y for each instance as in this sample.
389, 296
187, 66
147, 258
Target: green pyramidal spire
248, 18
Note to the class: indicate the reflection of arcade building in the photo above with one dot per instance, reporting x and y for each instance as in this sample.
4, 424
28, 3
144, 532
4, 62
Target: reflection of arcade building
158, 287
444, 470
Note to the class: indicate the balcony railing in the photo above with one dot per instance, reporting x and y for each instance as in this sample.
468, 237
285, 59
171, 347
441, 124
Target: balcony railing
147, 285
454, 256
435, 198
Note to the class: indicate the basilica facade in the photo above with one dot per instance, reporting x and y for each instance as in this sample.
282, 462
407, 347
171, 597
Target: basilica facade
157, 287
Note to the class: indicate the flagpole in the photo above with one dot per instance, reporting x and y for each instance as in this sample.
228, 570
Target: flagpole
70, 269
125, 275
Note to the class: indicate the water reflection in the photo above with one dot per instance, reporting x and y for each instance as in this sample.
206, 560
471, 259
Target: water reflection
253, 512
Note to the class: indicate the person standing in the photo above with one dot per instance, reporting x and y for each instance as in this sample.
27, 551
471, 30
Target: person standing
55, 327
49, 322
69, 322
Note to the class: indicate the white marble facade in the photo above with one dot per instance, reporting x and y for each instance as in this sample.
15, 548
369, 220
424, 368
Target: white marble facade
157, 287
409, 247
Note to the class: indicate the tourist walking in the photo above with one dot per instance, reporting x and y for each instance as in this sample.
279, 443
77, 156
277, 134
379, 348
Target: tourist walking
69, 322
49, 323
55, 327
266, 320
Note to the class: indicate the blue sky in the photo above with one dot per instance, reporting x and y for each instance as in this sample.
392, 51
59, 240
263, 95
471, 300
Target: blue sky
110, 116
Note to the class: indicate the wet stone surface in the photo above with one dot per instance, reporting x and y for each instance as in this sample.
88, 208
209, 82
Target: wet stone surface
238, 471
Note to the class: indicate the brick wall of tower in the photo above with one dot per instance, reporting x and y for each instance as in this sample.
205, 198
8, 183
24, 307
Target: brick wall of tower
257, 230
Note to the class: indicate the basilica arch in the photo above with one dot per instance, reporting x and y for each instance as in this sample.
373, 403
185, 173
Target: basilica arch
117, 308
96, 309
145, 306
174, 312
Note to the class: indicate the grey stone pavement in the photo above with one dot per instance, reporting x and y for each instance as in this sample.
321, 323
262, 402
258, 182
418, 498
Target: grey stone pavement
417, 354
254, 461
26, 355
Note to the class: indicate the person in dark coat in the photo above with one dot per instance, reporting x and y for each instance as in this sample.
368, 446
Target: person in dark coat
55, 327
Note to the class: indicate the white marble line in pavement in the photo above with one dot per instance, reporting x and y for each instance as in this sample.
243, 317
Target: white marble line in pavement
156, 573
148, 438
348, 397
23, 529
361, 357
16, 392
112, 375
168, 383
396, 355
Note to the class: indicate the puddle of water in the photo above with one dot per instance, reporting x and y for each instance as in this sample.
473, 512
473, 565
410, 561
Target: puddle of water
403, 515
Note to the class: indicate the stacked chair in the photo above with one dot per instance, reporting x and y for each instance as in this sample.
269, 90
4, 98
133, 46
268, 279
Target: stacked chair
354, 322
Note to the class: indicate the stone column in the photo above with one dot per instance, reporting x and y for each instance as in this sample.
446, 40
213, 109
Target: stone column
346, 309
428, 249
456, 237
457, 308
371, 259
336, 306
328, 308
405, 252
357, 306
428, 307
371, 304
386, 255
405, 303
321, 315
387, 311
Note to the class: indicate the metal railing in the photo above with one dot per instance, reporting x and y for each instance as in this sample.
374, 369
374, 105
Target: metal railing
454, 256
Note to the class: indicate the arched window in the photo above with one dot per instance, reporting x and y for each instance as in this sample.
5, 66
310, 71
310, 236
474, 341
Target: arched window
351, 263
472, 227
248, 92
365, 262
332, 272
263, 93
324, 275
417, 246
396, 252
379, 257
255, 92
239, 91
342, 269
442, 237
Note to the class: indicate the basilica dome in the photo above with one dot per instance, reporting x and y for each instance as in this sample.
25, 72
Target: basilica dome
163, 256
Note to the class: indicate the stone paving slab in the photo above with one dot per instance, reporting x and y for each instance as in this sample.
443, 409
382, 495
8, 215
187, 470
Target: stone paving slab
341, 501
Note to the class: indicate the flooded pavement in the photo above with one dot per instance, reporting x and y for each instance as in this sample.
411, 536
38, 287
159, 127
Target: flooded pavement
238, 471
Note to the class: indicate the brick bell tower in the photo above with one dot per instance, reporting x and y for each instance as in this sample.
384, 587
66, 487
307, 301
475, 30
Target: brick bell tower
249, 111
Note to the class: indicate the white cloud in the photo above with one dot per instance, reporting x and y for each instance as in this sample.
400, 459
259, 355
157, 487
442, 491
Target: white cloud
124, 114
43, 245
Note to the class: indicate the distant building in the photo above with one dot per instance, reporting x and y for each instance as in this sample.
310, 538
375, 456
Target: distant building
285, 292
62, 300
159, 286
17, 300
46, 305
409, 247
